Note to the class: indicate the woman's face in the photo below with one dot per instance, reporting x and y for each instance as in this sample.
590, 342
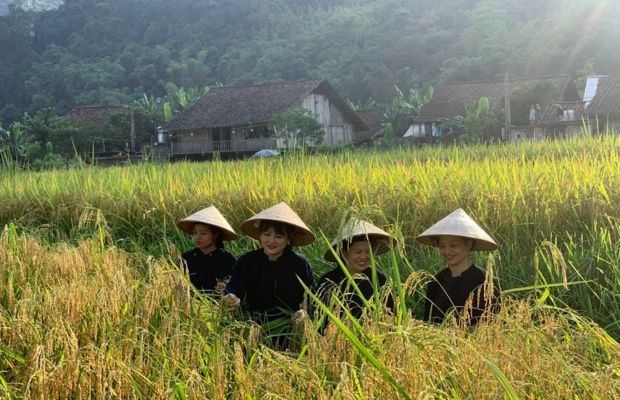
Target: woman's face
455, 250
203, 237
357, 257
273, 243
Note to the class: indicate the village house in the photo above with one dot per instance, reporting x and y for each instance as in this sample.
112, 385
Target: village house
235, 120
108, 150
598, 111
539, 120
602, 103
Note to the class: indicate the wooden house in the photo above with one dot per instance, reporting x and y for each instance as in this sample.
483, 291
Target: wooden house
108, 150
602, 103
96, 115
598, 111
235, 120
449, 101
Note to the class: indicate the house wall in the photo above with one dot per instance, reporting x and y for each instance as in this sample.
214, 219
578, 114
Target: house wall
192, 136
337, 130
518, 133
604, 124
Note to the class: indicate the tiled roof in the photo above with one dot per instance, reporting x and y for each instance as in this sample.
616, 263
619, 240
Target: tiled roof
372, 118
449, 100
98, 115
607, 98
246, 105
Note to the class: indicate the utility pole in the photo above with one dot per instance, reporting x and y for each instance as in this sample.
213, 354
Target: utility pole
507, 118
132, 132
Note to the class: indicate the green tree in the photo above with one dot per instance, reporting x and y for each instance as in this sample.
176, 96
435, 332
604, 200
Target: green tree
480, 123
404, 108
297, 128
524, 96
13, 142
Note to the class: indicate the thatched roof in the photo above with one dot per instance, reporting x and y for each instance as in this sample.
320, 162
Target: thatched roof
449, 100
254, 105
98, 115
607, 98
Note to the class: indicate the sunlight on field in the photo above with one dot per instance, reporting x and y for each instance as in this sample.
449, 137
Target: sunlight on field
92, 305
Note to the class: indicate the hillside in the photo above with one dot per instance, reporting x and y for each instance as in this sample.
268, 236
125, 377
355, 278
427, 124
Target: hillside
113, 51
29, 5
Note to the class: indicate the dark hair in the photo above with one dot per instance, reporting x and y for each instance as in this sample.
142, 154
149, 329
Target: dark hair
217, 233
347, 243
281, 228
465, 239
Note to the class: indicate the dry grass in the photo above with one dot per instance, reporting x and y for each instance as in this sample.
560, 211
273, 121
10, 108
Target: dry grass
91, 305
81, 322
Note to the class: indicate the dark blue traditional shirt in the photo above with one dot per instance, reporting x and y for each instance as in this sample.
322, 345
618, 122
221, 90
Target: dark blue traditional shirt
445, 293
206, 270
336, 279
271, 289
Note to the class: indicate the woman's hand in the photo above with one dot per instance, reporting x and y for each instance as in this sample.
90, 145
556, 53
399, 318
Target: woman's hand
221, 285
231, 302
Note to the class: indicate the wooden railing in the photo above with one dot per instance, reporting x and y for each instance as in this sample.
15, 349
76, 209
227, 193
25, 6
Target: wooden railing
223, 146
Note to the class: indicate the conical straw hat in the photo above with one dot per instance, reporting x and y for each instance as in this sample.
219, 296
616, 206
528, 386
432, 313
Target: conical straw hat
279, 213
210, 216
381, 240
458, 223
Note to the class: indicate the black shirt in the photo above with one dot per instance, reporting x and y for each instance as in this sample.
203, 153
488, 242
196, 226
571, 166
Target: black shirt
271, 288
336, 279
445, 293
205, 270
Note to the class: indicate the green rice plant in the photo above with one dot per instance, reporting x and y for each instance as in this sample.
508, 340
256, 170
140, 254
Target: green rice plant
92, 302
81, 322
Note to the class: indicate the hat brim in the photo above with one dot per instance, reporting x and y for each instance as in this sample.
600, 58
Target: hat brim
479, 244
458, 223
380, 244
187, 226
301, 237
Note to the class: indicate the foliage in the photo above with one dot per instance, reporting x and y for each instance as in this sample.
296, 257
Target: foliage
112, 52
45, 129
12, 142
50, 160
140, 333
527, 95
297, 128
480, 123
524, 193
401, 111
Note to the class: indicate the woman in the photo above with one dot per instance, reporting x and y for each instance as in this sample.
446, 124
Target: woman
208, 264
355, 244
456, 236
268, 278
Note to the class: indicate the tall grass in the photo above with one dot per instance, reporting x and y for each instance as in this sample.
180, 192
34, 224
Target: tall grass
82, 322
91, 304
519, 192
561, 192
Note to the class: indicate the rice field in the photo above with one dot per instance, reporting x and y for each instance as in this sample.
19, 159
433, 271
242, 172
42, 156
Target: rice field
92, 305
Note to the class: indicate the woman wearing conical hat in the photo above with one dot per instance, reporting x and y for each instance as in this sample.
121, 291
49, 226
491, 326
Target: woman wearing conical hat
208, 264
267, 279
456, 236
354, 245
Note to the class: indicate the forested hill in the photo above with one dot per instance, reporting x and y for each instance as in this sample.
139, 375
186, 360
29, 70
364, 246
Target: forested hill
113, 51
31, 5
